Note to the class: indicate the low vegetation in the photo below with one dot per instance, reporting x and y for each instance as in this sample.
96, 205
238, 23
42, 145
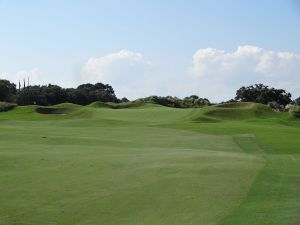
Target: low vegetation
188, 102
295, 111
5, 106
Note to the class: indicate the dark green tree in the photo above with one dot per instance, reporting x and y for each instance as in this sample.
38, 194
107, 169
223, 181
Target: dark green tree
53, 94
124, 99
263, 94
88, 93
7, 91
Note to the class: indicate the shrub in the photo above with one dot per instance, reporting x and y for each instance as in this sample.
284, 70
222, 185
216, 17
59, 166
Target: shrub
5, 106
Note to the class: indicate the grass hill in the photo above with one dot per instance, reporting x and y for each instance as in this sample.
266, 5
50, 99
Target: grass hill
141, 163
241, 110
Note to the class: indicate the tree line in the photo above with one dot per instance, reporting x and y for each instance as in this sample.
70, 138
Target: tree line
83, 95
87, 93
53, 94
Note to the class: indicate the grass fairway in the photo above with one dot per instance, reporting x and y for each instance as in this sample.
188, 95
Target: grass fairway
149, 165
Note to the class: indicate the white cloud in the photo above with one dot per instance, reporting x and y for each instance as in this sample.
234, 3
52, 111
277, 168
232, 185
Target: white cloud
34, 74
247, 65
126, 71
248, 58
101, 68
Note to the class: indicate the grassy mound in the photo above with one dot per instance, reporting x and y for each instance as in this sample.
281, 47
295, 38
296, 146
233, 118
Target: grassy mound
236, 105
99, 104
232, 111
237, 111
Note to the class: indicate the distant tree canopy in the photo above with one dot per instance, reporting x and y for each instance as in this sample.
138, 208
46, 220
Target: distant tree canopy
87, 93
53, 94
7, 91
188, 102
263, 94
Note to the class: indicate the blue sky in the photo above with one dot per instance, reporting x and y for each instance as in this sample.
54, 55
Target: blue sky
170, 47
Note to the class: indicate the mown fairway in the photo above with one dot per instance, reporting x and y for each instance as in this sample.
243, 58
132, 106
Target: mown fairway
149, 165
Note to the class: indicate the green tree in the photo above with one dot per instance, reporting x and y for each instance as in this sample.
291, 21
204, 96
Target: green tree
263, 94
7, 91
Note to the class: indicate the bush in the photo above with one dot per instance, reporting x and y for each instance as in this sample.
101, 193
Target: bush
5, 106
276, 106
188, 102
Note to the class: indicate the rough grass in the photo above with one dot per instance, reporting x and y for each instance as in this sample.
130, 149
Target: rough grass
149, 165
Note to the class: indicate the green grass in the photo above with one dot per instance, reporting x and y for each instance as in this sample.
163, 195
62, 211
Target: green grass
147, 164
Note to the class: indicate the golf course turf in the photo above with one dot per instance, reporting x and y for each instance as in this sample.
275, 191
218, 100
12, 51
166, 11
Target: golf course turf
145, 164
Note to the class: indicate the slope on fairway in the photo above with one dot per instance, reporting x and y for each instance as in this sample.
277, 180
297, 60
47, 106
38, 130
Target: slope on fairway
145, 165
274, 197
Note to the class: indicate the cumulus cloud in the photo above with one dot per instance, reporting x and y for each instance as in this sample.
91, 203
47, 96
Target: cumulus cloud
247, 58
126, 71
246, 65
100, 68
34, 75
